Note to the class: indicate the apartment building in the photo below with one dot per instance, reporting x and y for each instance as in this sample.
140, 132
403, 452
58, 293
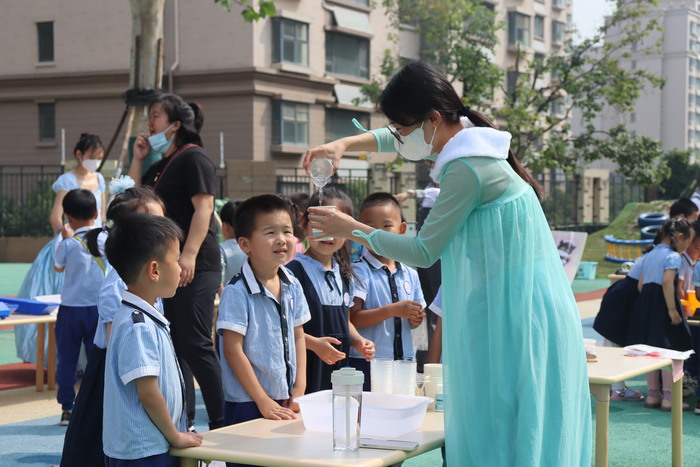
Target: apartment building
273, 88
672, 114
537, 27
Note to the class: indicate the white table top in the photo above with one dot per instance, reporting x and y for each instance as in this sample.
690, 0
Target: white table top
613, 365
287, 443
18, 318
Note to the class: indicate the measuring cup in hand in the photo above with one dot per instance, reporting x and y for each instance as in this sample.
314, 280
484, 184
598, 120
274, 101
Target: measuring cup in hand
320, 170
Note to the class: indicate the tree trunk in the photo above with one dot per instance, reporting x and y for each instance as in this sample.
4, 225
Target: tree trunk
146, 70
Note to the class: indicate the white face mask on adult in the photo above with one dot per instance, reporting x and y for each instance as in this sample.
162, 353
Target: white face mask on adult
90, 165
414, 147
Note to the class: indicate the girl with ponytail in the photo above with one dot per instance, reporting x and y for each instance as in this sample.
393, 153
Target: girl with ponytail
508, 308
326, 275
657, 318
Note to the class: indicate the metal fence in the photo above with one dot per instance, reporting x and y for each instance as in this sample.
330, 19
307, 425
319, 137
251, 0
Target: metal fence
354, 182
26, 199
561, 196
26, 196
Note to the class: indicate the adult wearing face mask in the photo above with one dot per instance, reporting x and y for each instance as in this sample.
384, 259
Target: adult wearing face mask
185, 179
42, 279
515, 367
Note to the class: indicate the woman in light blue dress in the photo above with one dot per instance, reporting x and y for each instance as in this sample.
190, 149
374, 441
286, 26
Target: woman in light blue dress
41, 279
516, 376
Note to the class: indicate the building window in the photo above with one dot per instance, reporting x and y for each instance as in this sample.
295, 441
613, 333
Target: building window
511, 82
633, 64
290, 123
347, 55
558, 107
339, 123
633, 117
47, 122
539, 27
359, 2
290, 41
558, 30
518, 29
45, 39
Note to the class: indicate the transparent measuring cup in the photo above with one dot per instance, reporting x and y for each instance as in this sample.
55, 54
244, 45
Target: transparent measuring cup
320, 171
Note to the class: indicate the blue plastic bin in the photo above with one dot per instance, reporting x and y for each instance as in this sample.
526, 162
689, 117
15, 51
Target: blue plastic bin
586, 270
29, 307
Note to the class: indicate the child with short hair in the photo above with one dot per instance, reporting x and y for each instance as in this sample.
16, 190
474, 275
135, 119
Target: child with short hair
144, 403
388, 297
684, 208
82, 444
84, 268
232, 257
325, 274
261, 317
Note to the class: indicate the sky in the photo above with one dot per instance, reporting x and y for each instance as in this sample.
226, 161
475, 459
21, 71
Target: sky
588, 15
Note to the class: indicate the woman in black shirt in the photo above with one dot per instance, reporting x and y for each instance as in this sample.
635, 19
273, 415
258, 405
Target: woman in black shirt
185, 179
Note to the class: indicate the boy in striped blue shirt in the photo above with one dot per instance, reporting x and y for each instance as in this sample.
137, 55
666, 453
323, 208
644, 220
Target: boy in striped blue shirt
144, 400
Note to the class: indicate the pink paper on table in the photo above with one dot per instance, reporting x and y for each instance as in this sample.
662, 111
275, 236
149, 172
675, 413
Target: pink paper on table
676, 357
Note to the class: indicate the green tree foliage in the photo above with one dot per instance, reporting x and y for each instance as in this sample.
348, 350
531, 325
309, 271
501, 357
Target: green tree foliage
459, 37
588, 76
249, 12
682, 175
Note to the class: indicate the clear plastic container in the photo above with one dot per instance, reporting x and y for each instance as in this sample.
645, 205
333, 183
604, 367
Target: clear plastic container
347, 408
382, 372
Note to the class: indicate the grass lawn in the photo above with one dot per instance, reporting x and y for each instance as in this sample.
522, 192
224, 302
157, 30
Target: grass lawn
623, 227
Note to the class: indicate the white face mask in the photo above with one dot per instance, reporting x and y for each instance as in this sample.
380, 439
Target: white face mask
90, 165
414, 147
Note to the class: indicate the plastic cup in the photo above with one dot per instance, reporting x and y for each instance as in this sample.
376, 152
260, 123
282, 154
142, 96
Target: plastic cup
318, 231
381, 374
404, 377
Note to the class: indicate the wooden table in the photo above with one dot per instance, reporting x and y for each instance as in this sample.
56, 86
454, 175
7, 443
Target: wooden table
41, 321
287, 443
613, 366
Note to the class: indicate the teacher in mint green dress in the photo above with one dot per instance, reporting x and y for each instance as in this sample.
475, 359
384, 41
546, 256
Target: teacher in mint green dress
515, 367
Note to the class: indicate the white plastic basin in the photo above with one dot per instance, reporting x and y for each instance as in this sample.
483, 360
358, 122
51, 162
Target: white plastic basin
383, 415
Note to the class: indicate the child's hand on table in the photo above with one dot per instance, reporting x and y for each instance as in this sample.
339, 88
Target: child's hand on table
187, 440
273, 411
290, 403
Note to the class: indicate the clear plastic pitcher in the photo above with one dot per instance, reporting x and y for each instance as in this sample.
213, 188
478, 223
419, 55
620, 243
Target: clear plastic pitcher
347, 408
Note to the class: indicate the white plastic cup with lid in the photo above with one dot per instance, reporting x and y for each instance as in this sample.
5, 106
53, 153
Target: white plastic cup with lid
347, 408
